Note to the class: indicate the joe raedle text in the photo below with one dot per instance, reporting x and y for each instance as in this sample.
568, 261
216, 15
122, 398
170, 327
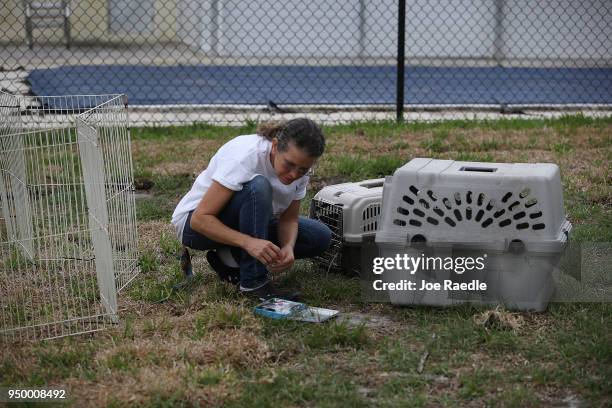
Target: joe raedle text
447, 284
410, 265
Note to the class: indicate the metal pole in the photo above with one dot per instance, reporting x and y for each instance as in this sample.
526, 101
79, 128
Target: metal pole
215, 19
401, 37
362, 11
498, 42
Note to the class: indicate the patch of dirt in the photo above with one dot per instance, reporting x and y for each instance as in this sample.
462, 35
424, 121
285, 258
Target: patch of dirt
373, 322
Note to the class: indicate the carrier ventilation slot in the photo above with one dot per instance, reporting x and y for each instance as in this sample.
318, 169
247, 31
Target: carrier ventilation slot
371, 215
512, 206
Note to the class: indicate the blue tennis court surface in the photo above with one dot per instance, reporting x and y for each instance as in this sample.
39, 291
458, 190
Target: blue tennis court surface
338, 85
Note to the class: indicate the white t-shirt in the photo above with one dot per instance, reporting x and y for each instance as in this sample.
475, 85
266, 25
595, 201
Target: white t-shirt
235, 163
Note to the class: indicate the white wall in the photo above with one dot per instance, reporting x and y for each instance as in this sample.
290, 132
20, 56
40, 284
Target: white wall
294, 28
131, 16
549, 29
558, 29
196, 20
434, 28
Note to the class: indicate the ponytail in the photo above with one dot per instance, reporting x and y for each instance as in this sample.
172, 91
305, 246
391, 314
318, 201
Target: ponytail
270, 130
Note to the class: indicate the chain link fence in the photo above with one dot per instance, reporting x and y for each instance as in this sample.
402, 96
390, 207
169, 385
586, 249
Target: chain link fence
227, 62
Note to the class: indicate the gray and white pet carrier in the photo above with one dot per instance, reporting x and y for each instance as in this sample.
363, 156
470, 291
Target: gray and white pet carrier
352, 212
509, 215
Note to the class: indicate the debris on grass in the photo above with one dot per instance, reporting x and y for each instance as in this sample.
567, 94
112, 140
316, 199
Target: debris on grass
422, 362
500, 320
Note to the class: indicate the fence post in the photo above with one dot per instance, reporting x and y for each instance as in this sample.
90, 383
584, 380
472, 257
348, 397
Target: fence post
362, 35
498, 42
401, 36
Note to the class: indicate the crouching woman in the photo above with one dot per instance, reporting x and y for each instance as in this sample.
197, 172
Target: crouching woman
244, 208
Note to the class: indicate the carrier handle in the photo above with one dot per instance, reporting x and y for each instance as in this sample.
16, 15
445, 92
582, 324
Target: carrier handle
372, 183
480, 169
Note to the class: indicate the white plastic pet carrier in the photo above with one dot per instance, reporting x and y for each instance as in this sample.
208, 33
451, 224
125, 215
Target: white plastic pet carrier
352, 212
510, 215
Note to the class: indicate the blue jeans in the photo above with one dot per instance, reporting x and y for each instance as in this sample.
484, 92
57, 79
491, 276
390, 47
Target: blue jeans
250, 212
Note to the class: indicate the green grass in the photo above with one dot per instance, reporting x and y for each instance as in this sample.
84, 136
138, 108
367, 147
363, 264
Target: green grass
516, 397
169, 244
474, 157
154, 325
124, 360
476, 383
592, 221
53, 362
156, 208
436, 143
165, 191
399, 356
220, 317
211, 376
319, 288
156, 286
148, 262
334, 336
263, 362
363, 167
319, 385
392, 128
200, 130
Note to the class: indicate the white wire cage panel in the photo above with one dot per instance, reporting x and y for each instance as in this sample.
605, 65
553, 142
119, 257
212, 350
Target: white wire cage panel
68, 240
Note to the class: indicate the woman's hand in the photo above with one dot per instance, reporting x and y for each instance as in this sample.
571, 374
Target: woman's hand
286, 261
264, 251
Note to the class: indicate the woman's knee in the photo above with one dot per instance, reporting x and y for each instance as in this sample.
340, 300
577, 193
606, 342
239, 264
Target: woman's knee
320, 235
325, 237
260, 186
193, 239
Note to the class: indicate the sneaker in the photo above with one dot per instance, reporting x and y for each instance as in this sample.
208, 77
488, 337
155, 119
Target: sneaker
268, 291
225, 273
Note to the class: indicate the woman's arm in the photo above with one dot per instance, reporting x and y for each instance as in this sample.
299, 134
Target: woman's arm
204, 220
287, 235
288, 225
